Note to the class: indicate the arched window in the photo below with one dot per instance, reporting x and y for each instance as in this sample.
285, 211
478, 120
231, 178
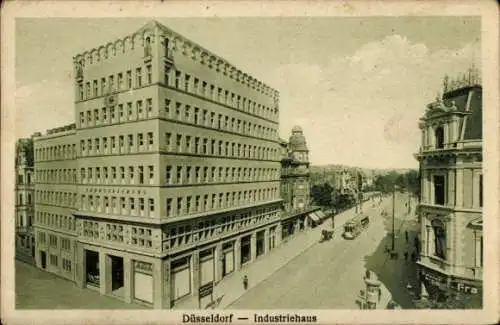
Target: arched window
439, 239
439, 137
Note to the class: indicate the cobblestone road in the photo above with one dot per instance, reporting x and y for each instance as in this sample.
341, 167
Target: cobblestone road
330, 274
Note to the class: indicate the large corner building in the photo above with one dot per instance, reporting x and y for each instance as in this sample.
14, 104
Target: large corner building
168, 181
451, 253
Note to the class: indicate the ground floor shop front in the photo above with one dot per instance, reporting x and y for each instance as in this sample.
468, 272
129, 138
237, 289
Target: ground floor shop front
163, 282
25, 247
299, 221
439, 287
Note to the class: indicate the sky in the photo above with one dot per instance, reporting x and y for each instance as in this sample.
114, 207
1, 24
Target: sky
356, 85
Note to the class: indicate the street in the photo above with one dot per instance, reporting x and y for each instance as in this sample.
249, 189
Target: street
35, 290
330, 274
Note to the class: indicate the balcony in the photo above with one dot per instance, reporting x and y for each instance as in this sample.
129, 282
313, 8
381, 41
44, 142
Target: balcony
168, 57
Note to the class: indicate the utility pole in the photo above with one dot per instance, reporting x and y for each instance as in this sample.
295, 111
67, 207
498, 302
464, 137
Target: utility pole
393, 211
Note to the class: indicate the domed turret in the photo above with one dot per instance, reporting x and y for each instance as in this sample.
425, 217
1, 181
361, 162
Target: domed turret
297, 141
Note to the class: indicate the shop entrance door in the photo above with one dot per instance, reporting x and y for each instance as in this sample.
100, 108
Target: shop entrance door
43, 259
116, 275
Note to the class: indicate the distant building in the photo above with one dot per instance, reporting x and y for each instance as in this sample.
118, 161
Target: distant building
296, 185
56, 201
450, 209
25, 201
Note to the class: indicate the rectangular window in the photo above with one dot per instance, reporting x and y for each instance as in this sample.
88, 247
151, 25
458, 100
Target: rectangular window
439, 189
179, 175
179, 143
177, 79
168, 140
187, 85
169, 207
129, 79
138, 73
149, 74
150, 138
167, 107
481, 197
149, 105
120, 81
168, 175
141, 175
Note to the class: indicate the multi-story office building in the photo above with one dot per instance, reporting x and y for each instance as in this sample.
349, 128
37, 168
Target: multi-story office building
450, 211
176, 179
56, 201
25, 200
297, 214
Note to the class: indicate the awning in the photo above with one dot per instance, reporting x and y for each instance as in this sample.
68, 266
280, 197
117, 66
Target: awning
313, 217
320, 214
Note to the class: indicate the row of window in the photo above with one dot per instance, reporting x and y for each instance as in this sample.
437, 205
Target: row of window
199, 174
20, 178
119, 205
141, 142
139, 236
176, 174
107, 85
195, 54
59, 152
205, 146
186, 234
60, 175
193, 204
121, 174
119, 113
440, 188
20, 199
195, 115
55, 220
58, 198
194, 85
65, 243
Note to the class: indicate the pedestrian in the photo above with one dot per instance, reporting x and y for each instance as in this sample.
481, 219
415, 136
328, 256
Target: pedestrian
379, 294
413, 256
406, 236
406, 256
245, 282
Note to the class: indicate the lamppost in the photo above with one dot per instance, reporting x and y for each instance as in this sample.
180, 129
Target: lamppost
393, 213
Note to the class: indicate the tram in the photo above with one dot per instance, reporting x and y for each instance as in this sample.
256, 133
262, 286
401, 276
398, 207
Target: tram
355, 226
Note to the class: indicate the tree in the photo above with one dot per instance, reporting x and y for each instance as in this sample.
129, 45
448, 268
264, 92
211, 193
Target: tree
322, 194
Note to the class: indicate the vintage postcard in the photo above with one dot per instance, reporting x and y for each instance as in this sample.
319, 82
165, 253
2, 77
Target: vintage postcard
249, 162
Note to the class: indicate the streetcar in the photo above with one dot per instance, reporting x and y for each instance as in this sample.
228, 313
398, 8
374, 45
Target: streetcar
355, 226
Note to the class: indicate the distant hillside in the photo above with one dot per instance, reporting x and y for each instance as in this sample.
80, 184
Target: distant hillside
316, 169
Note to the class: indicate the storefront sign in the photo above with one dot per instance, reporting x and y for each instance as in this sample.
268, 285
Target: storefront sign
465, 288
206, 289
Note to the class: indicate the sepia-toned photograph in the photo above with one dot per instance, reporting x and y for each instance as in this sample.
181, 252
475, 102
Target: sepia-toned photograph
212, 164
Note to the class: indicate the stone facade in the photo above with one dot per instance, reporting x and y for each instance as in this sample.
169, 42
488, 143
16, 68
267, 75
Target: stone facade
25, 200
450, 209
295, 185
174, 175
56, 200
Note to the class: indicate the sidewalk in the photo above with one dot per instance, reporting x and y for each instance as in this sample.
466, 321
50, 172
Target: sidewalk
231, 288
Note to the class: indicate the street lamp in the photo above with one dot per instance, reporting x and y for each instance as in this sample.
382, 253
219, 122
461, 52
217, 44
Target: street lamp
393, 212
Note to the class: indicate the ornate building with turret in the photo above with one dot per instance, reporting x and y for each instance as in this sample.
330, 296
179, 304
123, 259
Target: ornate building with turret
451, 203
25, 201
298, 214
